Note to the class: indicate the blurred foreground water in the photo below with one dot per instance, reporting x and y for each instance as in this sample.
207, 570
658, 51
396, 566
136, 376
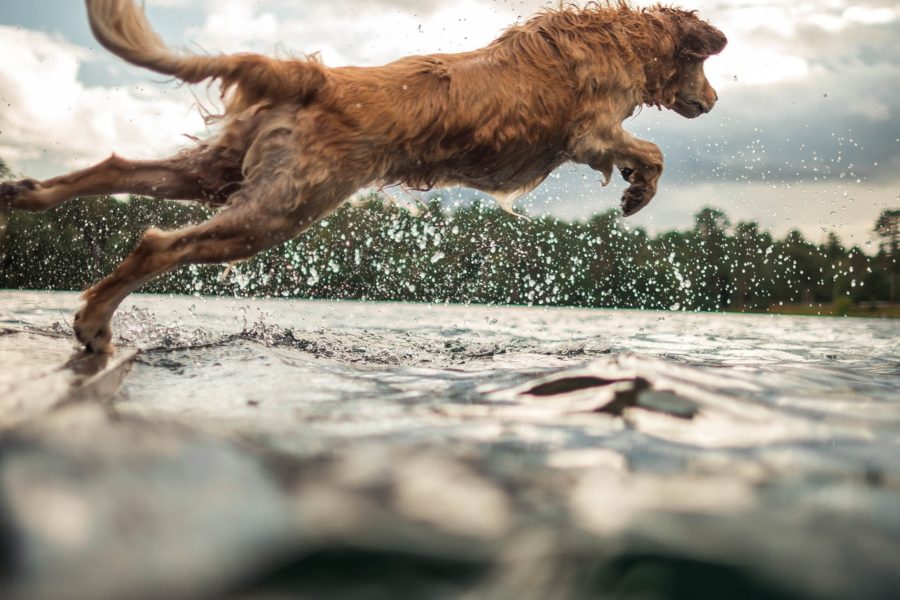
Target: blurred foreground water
268, 449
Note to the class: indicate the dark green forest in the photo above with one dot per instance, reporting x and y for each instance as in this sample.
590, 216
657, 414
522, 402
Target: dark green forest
373, 249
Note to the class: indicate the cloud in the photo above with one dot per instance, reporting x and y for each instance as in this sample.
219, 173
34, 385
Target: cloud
51, 120
351, 32
170, 3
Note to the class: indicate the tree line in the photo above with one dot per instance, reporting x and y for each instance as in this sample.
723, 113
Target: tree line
374, 249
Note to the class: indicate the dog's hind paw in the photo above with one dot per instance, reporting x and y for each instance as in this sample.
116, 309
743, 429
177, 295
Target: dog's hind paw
94, 333
12, 190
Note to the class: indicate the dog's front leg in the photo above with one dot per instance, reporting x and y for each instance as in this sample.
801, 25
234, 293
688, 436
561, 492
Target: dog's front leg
641, 164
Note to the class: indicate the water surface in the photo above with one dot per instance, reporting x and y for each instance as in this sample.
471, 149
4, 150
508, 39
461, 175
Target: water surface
500, 451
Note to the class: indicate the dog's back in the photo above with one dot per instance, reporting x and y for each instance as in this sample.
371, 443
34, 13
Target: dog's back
451, 119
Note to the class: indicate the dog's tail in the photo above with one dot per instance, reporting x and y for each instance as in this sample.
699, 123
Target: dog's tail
122, 28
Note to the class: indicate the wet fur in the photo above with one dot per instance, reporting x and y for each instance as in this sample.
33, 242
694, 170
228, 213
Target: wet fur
297, 138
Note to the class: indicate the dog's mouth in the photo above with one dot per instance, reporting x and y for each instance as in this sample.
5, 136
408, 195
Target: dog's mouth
690, 108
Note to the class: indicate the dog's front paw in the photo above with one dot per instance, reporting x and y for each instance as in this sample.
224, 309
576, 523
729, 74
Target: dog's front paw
94, 332
635, 198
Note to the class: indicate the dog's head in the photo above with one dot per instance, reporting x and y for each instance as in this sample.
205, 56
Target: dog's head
695, 41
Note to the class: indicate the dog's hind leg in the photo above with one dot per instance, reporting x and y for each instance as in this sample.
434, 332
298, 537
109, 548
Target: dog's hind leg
276, 202
179, 178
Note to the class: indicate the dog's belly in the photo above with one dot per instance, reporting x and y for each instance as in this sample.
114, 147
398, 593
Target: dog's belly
503, 180
487, 171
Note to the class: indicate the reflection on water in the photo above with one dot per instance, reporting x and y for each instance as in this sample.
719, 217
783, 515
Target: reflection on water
500, 451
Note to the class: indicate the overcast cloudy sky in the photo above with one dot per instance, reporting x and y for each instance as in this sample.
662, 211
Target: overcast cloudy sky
806, 133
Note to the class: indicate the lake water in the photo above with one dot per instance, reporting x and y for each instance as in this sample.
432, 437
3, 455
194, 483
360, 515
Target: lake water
262, 448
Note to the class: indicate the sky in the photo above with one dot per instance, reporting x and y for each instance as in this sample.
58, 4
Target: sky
806, 133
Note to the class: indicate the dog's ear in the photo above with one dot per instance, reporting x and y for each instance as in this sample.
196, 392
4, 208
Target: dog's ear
700, 40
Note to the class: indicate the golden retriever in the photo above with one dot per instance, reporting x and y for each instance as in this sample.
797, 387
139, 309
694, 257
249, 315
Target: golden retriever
297, 138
